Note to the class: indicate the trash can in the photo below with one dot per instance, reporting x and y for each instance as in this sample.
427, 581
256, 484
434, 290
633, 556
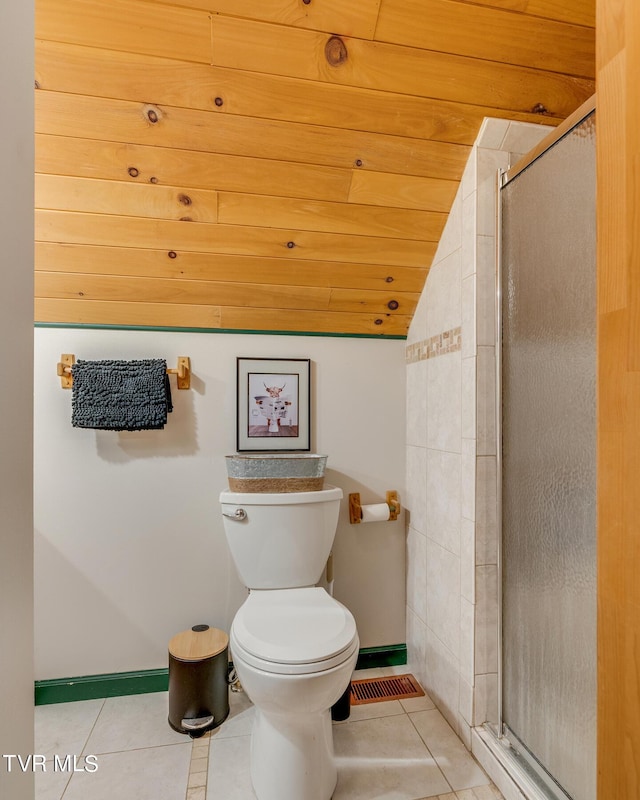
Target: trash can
198, 686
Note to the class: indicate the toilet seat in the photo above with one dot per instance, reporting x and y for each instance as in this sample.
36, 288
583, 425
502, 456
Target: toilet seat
293, 631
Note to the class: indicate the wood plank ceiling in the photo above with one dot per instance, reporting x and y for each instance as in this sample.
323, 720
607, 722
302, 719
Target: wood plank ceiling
279, 165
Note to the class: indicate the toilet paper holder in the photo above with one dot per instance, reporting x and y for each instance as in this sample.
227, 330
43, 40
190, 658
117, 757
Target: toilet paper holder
355, 507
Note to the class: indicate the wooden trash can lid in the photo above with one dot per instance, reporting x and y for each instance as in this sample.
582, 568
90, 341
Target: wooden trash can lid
198, 643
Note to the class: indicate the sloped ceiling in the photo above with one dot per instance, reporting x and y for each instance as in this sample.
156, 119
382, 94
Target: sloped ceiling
277, 165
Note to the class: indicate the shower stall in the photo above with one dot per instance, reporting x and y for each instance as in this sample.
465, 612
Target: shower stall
546, 387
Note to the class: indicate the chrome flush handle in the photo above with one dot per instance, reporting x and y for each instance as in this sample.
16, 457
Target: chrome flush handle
238, 514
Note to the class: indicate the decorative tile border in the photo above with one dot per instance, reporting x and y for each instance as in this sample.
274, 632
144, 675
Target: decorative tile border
445, 342
199, 768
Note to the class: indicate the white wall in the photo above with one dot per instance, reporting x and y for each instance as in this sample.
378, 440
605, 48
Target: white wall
16, 347
130, 546
452, 573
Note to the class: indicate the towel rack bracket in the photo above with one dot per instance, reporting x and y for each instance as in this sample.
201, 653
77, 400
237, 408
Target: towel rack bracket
67, 360
183, 372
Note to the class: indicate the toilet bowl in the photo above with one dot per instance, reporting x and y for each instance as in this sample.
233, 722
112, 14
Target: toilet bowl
294, 646
294, 651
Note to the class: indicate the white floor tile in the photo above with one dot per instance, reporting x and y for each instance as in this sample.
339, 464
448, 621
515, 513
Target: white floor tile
229, 777
51, 785
448, 796
394, 750
417, 704
63, 728
156, 773
387, 708
240, 719
374, 672
458, 766
480, 793
136, 721
384, 759
402, 669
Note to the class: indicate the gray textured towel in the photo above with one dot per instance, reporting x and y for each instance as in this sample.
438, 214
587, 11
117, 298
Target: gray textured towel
120, 395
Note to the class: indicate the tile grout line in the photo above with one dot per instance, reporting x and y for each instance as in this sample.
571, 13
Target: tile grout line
84, 746
199, 768
435, 761
95, 722
433, 758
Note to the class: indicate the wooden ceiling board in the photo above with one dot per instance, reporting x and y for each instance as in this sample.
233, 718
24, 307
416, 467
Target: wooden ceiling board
287, 166
350, 17
216, 293
243, 44
378, 302
317, 215
577, 12
90, 158
102, 260
118, 75
402, 191
98, 312
580, 12
129, 199
318, 321
169, 290
180, 128
137, 26
449, 26
78, 228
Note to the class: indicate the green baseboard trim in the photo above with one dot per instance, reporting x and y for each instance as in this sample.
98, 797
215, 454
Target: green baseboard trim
392, 655
119, 684
89, 687
161, 328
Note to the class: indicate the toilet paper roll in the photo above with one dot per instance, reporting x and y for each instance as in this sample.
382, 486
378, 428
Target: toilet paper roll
377, 512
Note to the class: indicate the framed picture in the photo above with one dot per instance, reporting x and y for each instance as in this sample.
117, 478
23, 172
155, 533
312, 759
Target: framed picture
273, 404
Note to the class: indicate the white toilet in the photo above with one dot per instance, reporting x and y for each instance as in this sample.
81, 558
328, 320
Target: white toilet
293, 645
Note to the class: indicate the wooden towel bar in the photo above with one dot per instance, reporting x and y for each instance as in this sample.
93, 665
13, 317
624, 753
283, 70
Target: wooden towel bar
67, 360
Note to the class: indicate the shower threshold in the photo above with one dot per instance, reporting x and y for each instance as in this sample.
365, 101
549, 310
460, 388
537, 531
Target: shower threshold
514, 771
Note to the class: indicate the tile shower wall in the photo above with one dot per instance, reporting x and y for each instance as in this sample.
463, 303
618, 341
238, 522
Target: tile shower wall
452, 576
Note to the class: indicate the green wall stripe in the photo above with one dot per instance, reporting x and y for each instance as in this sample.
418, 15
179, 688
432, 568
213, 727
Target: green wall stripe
118, 684
88, 687
163, 329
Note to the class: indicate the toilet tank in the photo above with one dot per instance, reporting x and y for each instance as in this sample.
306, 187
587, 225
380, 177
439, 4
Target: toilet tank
280, 540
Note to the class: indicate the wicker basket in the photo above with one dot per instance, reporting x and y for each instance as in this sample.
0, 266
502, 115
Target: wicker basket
299, 472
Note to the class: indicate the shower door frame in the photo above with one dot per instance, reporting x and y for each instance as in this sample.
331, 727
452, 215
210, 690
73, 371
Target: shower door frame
500, 731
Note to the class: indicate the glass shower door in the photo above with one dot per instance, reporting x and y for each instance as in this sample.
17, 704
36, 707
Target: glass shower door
548, 456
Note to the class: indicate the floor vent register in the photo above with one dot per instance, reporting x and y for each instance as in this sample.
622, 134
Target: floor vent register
375, 690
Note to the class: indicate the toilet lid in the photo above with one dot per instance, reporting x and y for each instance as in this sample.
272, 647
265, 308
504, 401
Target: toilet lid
293, 628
